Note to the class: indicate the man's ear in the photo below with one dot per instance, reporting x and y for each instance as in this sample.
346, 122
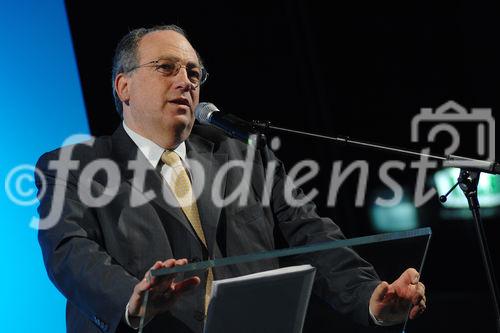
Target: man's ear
121, 87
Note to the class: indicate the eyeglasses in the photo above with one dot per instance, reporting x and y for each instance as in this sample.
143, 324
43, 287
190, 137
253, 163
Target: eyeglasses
196, 75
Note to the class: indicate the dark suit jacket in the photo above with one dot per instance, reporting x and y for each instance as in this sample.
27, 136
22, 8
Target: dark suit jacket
95, 255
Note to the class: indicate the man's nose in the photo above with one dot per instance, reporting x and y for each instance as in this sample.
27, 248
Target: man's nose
182, 79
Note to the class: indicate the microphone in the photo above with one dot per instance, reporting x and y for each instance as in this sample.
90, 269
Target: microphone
209, 114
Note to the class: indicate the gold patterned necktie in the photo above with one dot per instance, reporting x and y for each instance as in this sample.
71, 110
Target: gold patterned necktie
183, 192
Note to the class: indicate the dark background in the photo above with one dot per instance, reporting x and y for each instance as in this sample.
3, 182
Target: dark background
362, 69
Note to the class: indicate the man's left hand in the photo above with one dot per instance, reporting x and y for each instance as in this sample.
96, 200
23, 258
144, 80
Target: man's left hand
390, 303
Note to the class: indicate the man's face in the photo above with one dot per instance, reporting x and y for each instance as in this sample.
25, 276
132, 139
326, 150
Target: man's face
161, 107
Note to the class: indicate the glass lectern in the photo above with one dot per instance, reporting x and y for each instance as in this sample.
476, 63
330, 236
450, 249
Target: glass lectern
276, 310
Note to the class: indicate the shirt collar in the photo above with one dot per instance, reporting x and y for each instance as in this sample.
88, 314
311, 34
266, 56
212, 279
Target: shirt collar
151, 150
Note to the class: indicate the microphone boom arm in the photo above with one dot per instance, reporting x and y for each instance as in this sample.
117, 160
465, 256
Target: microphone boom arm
449, 161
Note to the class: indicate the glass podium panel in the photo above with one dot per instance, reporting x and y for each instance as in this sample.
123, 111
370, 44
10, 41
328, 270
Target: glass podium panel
346, 271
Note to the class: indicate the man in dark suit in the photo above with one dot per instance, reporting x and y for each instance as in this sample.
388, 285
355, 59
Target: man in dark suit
121, 213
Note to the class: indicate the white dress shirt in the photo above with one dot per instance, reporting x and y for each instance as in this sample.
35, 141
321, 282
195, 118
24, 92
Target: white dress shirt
153, 153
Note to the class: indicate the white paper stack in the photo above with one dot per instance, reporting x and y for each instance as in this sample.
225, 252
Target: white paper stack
270, 301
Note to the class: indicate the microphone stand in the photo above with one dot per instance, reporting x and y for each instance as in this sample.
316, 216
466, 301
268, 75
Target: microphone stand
470, 170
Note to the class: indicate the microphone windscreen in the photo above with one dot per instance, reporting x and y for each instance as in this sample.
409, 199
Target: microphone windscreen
203, 111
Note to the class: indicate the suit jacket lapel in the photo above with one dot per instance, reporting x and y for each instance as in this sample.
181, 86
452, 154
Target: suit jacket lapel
125, 150
200, 150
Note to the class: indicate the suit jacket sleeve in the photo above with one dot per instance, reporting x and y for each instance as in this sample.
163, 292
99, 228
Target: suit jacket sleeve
344, 279
74, 255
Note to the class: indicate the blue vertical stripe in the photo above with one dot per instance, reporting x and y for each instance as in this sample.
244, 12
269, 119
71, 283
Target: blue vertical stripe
41, 105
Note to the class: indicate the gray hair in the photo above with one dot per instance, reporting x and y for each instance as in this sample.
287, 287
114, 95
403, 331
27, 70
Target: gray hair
125, 57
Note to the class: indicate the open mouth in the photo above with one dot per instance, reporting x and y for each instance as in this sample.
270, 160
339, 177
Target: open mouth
181, 101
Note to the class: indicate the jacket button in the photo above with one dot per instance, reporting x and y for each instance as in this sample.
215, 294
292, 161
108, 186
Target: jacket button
199, 315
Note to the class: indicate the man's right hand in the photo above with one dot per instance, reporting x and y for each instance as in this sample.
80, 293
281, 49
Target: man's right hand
163, 291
